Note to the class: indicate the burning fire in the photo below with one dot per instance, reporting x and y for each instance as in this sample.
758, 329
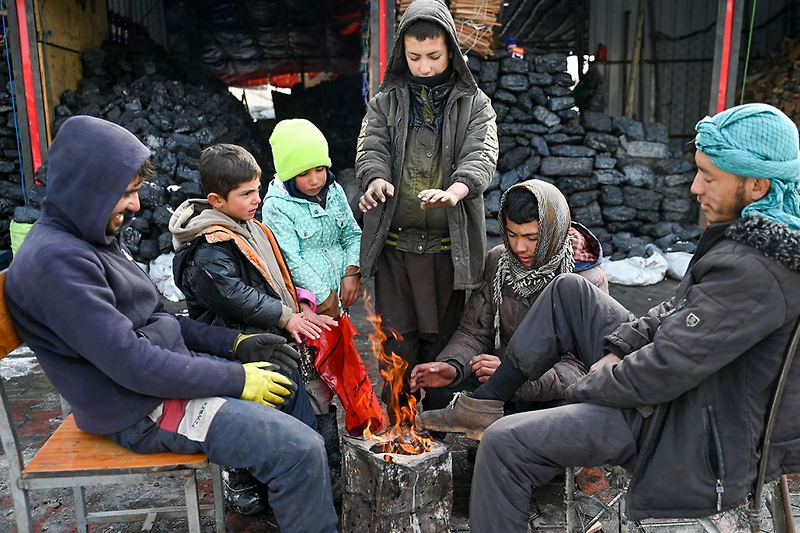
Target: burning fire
400, 437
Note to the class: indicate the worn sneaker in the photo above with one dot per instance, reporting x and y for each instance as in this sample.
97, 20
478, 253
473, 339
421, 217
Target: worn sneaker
464, 414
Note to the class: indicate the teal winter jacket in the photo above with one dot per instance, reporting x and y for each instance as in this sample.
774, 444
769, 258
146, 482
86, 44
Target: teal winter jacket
318, 243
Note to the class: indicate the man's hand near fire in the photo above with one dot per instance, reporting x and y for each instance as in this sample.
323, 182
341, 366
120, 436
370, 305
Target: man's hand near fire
434, 374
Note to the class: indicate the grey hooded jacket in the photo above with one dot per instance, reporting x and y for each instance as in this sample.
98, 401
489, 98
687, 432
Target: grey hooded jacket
708, 360
469, 151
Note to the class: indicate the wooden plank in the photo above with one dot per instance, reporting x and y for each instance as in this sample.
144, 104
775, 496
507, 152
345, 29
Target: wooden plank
72, 452
66, 28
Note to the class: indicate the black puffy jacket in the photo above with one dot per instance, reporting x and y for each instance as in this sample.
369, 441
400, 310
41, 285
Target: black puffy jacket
223, 288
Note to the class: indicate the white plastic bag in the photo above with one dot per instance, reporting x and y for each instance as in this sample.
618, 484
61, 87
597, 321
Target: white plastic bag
161, 274
677, 263
637, 271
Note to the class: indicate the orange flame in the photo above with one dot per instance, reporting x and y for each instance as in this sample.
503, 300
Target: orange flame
401, 436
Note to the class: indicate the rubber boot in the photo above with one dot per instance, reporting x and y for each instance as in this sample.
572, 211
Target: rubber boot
241, 491
328, 427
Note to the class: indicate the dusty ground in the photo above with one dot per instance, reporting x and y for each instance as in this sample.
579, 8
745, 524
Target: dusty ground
38, 409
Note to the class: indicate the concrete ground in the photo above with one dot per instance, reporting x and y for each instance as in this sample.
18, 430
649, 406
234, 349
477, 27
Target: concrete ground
37, 409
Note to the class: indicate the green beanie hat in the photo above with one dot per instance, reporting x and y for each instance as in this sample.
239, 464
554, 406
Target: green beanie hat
297, 145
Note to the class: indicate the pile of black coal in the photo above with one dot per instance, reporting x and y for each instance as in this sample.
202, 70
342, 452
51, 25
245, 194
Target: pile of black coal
138, 88
620, 176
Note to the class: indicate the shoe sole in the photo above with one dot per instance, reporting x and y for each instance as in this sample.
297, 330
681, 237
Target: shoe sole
470, 433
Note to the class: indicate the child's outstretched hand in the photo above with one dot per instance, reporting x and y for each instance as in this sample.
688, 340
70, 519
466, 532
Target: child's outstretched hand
378, 191
351, 288
435, 198
323, 321
299, 326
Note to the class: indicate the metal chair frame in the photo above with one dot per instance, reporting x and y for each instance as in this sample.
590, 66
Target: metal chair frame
775, 492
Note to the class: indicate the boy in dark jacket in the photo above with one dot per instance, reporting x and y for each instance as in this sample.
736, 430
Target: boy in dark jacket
539, 242
229, 266
134, 372
679, 396
426, 152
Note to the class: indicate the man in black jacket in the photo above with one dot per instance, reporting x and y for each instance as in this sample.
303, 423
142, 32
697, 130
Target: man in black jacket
679, 396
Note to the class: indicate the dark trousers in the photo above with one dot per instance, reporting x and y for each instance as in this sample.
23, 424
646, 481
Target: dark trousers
278, 448
439, 397
415, 298
521, 452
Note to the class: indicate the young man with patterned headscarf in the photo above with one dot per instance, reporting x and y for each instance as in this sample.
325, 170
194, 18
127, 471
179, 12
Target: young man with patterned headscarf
679, 396
539, 243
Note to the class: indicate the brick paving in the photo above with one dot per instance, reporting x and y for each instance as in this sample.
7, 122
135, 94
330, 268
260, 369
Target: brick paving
37, 408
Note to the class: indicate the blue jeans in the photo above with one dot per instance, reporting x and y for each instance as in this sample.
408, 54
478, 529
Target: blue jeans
280, 449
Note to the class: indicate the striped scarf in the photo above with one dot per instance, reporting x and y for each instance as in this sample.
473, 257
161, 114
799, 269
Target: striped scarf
553, 256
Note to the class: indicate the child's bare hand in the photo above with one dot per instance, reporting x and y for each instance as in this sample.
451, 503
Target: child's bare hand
378, 191
484, 365
351, 288
432, 375
322, 321
435, 198
298, 326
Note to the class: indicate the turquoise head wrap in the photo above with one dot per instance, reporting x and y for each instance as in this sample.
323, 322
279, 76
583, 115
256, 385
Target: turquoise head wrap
757, 141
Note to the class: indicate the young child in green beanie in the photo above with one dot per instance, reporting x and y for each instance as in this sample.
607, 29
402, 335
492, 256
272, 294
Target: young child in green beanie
320, 239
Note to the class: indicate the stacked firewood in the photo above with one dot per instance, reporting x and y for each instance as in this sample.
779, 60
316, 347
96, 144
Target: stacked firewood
777, 81
475, 22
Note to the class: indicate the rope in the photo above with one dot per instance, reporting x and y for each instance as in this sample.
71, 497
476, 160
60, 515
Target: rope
13, 105
749, 44
471, 40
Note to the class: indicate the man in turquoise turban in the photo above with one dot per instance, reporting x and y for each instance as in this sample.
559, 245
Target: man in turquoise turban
680, 395
758, 144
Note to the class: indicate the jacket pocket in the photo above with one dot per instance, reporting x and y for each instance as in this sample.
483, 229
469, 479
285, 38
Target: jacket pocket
713, 452
162, 333
308, 230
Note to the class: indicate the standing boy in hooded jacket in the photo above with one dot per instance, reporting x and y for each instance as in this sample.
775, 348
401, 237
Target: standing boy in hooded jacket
426, 152
129, 369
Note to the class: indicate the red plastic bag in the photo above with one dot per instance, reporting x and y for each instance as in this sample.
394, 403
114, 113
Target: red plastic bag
339, 364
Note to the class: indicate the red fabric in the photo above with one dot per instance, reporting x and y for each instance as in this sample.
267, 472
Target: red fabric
339, 364
172, 415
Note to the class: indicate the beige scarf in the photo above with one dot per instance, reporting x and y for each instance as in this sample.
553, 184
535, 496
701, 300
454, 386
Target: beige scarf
553, 254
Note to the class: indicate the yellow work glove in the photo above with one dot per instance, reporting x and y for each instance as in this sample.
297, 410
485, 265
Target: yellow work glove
265, 386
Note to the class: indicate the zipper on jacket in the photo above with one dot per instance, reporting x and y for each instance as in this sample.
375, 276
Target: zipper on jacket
644, 444
716, 445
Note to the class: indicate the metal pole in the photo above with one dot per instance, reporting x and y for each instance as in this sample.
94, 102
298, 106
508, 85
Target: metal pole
13, 43
726, 55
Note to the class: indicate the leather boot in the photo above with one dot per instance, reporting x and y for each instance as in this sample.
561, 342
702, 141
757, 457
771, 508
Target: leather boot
241, 491
464, 414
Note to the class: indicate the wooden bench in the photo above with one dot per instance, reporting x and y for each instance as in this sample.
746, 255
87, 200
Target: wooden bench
74, 459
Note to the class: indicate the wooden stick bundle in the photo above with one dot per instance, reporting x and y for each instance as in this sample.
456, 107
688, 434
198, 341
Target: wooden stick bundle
475, 22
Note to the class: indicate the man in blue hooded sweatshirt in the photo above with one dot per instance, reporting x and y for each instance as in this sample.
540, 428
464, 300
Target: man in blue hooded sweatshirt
132, 371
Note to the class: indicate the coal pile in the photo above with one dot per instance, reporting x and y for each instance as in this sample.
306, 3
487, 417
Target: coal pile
620, 176
335, 106
12, 191
136, 87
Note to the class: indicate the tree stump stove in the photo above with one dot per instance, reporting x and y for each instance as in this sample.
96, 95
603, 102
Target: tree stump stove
395, 492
